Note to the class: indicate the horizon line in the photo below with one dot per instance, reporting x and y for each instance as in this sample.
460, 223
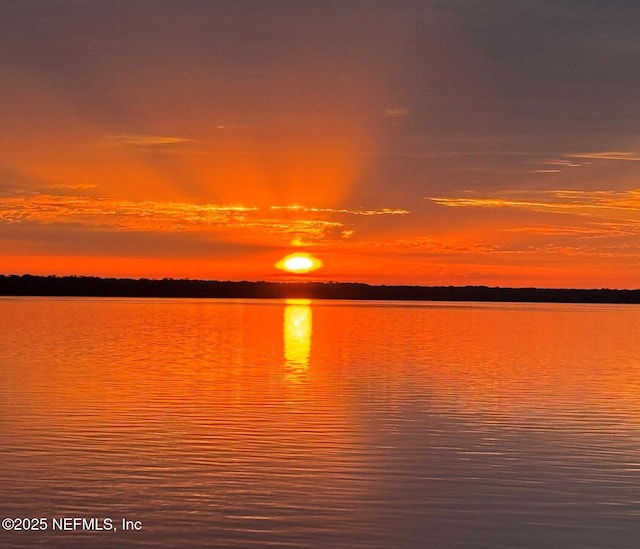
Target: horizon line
317, 282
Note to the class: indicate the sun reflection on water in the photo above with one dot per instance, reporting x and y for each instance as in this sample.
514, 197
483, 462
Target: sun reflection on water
297, 337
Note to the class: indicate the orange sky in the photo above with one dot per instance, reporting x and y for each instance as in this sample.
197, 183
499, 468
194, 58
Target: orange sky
400, 144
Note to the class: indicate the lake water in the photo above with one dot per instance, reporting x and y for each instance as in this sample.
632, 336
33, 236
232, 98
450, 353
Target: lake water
325, 424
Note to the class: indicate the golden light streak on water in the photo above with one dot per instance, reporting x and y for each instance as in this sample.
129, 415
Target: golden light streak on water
297, 337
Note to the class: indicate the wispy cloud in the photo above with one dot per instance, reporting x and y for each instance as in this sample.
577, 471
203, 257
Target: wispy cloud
607, 155
592, 230
309, 225
46, 208
562, 201
563, 245
65, 190
142, 140
565, 163
435, 246
381, 211
596, 218
78, 187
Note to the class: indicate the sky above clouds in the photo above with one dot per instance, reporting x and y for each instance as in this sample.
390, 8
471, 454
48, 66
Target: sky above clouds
415, 142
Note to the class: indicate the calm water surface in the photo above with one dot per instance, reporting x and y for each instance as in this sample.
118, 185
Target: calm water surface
324, 424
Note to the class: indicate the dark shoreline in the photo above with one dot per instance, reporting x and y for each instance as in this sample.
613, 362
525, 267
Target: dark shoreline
88, 286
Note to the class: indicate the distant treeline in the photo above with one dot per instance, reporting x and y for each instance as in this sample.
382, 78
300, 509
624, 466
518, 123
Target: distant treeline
28, 285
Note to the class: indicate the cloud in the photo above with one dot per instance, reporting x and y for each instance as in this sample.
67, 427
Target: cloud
144, 141
607, 155
69, 189
381, 211
79, 187
237, 221
592, 230
566, 163
563, 244
433, 246
91, 211
581, 202
601, 221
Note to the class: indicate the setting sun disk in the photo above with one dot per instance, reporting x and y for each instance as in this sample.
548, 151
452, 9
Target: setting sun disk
299, 263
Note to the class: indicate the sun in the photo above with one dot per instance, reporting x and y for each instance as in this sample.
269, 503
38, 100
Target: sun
299, 263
